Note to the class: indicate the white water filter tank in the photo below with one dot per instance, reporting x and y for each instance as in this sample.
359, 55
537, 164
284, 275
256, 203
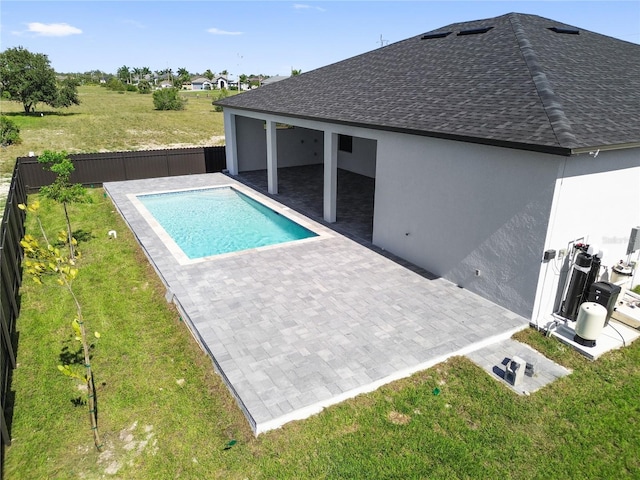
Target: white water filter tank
591, 319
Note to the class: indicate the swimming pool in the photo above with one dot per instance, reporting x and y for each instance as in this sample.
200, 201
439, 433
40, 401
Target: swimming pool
218, 220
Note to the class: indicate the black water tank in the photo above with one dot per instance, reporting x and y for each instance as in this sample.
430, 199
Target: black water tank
605, 294
577, 285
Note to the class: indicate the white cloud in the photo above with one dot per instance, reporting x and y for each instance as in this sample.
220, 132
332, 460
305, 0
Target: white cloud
301, 6
217, 31
134, 23
53, 29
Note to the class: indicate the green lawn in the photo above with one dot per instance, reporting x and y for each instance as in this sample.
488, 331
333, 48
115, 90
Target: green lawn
165, 414
111, 121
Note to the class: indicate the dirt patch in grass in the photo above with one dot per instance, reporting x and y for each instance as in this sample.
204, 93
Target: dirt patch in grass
129, 444
398, 418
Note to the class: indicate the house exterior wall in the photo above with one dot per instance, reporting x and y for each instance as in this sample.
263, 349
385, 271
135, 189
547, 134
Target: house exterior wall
455, 208
299, 146
362, 159
296, 146
251, 144
598, 199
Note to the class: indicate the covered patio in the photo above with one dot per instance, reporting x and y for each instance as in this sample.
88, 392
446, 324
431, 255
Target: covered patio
301, 188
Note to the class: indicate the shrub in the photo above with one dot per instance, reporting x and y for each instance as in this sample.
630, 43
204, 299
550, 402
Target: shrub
168, 99
224, 93
144, 86
9, 132
116, 85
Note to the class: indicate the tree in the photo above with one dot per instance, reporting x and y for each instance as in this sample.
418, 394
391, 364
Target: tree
168, 99
28, 78
41, 261
61, 190
68, 93
145, 74
243, 79
183, 73
124, 74
137, 74
208, 74
295, 73
169, 74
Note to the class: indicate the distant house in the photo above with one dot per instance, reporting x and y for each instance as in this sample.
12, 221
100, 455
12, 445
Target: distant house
221, 82
165, 84
495, 145
201, 83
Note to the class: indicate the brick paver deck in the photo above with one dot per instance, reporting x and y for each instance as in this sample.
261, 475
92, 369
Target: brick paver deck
297, 327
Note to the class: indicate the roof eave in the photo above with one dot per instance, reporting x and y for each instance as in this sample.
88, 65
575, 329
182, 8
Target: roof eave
550, 149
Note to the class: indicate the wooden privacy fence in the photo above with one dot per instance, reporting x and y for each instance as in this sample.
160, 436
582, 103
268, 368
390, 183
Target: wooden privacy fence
11, 232
97, 168
90, 169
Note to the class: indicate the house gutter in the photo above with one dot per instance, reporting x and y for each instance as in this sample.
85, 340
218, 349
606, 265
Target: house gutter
604, 148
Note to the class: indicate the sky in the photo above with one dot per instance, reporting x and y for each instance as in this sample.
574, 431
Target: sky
268, 37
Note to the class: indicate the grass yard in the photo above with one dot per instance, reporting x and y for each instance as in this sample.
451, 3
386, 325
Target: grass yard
165, 414
110, 121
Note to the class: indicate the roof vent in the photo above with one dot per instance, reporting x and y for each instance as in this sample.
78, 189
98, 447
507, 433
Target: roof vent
568, 31
474, 31
435, 35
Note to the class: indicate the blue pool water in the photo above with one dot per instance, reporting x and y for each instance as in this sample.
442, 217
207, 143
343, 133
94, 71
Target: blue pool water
219, 220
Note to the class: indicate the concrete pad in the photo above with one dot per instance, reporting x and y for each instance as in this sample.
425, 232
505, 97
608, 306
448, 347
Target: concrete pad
615, 335
495, 357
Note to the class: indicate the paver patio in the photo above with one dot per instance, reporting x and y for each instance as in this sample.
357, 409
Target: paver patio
301, 326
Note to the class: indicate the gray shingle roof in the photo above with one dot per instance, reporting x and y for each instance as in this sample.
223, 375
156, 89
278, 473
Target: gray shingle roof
520, 84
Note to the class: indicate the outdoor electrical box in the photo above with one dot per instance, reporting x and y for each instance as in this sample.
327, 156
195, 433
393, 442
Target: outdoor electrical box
514, 373
549, 255
605, 294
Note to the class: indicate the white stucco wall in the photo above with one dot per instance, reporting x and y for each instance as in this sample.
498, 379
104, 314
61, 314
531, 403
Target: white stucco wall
597, 198
299, 146
251, 144
456, 208
362, 158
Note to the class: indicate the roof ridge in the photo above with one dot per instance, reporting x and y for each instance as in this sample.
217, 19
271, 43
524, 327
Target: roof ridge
550, 102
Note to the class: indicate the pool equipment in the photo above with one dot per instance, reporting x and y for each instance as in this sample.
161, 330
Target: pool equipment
605, 294
515, 370
578, 281
591, 321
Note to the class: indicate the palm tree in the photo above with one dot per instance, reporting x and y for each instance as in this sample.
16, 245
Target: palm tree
137, 72
124, 74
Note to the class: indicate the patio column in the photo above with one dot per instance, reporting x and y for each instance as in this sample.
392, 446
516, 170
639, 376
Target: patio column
272, 158
330, 175
231, 150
